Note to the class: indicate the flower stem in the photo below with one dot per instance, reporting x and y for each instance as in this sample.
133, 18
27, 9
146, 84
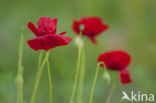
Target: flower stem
111, 92
94, 82
39, 63
49, 75
77, 69
82, 74
19, 78
38, 79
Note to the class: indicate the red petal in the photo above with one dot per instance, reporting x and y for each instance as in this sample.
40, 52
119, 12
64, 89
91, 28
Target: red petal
62, 33
76, 26
48, 41
125, 77
93, 40
93, 18
47, 25
32, 27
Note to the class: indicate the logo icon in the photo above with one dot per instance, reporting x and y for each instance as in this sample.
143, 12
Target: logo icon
125, 96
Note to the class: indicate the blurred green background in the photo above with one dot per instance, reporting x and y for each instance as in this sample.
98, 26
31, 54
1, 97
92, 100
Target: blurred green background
132, 28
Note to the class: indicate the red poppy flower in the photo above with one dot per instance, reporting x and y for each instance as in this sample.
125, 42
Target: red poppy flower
92, 26
46, 35
117, 60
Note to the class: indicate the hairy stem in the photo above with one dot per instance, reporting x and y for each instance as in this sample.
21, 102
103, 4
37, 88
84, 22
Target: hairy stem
49, 75
38, 80
82, 74
111, 92
77, 69
19, 78
94, 82
39, 63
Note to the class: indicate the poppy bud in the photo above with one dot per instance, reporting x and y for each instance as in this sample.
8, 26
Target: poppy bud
106, 78
77, 40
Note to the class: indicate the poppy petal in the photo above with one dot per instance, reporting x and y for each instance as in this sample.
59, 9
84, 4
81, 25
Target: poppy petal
76, 26
62, 33
48, 41
93, 40
32, 27
47, 25
93, 18
125, 76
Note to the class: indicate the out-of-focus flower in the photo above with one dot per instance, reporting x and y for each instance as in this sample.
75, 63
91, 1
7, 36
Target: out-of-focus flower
93, 26
118, 61
46, 35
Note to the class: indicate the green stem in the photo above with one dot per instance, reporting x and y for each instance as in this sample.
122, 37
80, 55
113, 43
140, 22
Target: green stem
77, 69
39, 63
19, 78
49, 75
111, 92
94, 82
38, 80
81, 81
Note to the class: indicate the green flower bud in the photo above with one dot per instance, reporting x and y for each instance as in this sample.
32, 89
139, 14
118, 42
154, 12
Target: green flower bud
77, 40
107, 78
